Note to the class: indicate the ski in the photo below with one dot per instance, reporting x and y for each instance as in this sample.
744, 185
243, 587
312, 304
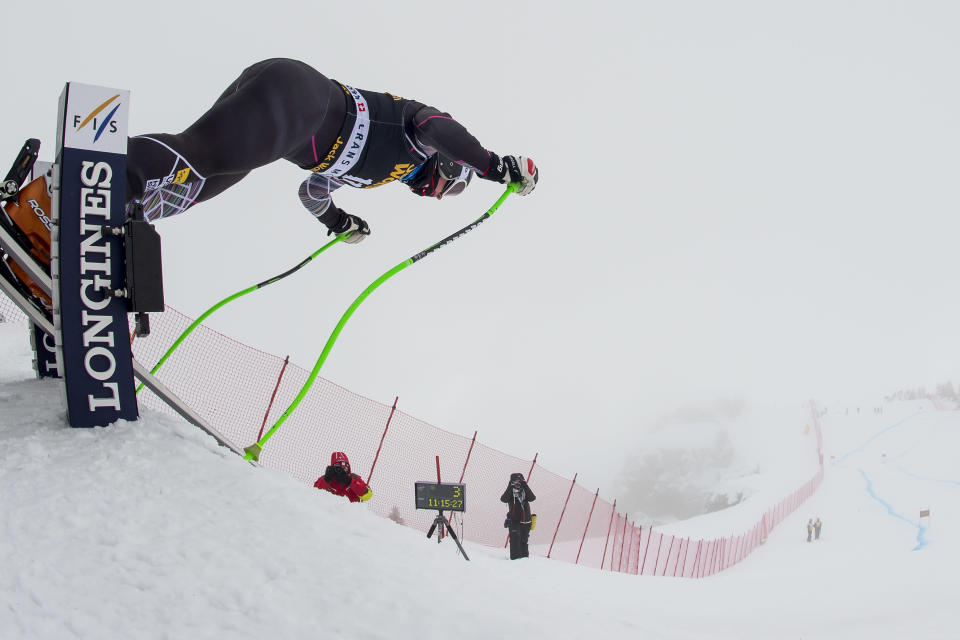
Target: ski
15, 245
15, 283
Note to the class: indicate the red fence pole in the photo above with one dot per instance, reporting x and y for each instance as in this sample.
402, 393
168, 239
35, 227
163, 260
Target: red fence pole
440, 537
645, 549
465, 462
389, 418
623, 538
669, 549
603, 558
633, 529
589, 517
532, 465
469, 451
696, 558
272, 396
563, 511
657, 561
684, 558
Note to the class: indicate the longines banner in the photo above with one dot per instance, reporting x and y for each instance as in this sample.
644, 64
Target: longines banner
93, 340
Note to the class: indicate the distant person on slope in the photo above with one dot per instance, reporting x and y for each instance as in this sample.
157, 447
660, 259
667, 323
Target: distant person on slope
817, 525
338, 480
519, 521
809, 529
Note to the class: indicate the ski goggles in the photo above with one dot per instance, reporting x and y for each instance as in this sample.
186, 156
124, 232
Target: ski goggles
439, 176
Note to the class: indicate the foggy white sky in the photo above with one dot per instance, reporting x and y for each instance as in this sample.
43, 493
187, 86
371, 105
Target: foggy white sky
736, 199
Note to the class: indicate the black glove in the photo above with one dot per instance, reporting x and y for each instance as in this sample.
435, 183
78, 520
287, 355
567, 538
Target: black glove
508, 169
344, 222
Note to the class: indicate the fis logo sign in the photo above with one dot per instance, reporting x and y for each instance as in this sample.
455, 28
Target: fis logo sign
95, 118
100, 120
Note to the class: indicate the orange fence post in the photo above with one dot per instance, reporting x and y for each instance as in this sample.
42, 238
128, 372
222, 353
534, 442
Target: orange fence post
563, 511
272, 397
377, 456
597, 494
603, 558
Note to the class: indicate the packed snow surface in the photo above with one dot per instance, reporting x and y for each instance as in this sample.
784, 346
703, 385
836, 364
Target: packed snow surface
150, 530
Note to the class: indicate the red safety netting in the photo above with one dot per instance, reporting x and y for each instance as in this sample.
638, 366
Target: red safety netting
231, 386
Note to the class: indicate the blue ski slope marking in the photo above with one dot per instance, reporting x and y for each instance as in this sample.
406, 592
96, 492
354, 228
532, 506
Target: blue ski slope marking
926, 478
874, 437
921, 530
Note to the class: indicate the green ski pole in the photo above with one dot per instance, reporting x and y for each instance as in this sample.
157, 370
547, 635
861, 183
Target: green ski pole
254, 450
238, 294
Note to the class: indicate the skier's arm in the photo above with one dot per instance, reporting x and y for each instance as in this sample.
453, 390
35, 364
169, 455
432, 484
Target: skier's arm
315, 195
507, 495
438, 130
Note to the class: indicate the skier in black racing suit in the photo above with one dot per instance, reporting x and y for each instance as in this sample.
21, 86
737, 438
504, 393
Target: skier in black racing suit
283, 108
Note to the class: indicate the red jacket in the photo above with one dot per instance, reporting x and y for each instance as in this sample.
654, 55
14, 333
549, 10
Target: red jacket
338, 480
356, 491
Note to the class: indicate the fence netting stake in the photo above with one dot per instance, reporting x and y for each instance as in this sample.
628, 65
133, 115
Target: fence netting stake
563, 511
603, 558
589, 517
273, 396
387, 426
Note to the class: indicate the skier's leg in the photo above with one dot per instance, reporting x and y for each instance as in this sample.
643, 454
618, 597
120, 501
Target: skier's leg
525, 541
515, 543
274, 107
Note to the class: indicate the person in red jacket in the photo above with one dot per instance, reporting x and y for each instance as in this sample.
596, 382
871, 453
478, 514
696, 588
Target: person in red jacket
338, 480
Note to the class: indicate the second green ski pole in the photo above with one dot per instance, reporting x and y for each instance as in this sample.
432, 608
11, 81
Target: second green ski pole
254, 450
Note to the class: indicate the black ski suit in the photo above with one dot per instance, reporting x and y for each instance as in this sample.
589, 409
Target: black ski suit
282, 108
518, 520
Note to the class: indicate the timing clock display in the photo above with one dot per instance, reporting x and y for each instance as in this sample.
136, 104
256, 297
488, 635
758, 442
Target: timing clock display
441, 496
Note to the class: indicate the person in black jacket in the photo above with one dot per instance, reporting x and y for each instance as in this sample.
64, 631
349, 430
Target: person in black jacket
518, 497
283, 108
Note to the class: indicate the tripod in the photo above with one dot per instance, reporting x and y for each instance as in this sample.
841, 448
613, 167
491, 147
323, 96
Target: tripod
441, 521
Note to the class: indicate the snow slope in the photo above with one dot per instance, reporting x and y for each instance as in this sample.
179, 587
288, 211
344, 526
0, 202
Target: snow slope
149, 530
